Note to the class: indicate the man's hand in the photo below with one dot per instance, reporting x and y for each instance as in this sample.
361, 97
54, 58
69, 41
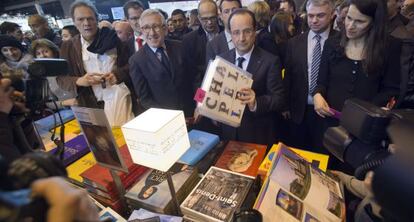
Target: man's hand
66, 204
6, 92
89, 79
248, 97
110, 78
321, 106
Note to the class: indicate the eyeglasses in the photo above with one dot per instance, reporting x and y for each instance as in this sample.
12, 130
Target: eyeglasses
206, 19
244, 31
148, 28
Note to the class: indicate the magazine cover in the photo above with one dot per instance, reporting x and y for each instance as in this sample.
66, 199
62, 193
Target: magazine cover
99, 136
296, 191
218, 96
217, 196
242, 157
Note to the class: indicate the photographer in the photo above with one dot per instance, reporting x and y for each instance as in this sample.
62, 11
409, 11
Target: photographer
66, 203
8, 147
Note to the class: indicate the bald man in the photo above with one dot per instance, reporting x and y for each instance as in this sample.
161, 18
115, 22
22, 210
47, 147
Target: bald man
41, 29
123, 31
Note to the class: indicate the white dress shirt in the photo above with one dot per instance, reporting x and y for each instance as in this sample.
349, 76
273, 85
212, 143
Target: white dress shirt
311, 44
100, 64
245, 64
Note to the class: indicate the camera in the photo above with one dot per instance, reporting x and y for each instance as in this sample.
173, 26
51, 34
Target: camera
362, 140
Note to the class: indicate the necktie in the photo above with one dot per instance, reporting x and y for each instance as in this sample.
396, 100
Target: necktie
163, 58
316, 60
139, 42
240, 61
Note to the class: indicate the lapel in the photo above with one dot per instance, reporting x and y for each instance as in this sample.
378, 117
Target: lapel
255, 61
171, 56
303, 47
223, 42
154, 59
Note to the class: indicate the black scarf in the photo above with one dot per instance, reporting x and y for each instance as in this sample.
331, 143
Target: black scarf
106, 39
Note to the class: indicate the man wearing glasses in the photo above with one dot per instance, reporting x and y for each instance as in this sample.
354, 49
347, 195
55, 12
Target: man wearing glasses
157, 70
133, 10
222, 42
195, 42
266, 97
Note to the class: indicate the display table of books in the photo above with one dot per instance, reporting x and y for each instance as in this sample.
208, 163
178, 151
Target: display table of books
211, 178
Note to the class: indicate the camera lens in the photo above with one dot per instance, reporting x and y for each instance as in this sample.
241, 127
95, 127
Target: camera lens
248, 215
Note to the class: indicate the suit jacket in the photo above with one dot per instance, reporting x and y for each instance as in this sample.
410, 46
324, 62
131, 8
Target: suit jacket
194, 49
72, 51
216, 46
258, 126
131, 46
265, 41
296, 75
157, 86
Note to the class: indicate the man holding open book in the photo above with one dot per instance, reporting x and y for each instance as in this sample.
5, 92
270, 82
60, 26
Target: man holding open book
266, 95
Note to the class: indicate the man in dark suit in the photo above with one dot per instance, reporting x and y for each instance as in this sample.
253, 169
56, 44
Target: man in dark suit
133, 10
302, 63
222, 42
266, 95
157, 70
195, 42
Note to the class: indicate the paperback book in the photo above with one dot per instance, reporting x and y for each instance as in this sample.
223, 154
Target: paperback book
201, 142
151, 192
217, 196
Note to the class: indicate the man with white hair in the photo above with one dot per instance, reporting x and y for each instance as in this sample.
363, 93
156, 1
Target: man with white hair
157, 70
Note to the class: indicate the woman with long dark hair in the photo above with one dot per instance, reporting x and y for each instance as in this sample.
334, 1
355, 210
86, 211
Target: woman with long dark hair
364, 64
282, 29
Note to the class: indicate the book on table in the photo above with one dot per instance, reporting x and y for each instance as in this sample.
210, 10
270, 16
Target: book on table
297, 191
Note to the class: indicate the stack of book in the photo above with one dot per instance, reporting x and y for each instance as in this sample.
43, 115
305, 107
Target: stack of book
152, 191
218, 195
99, 183
244, 158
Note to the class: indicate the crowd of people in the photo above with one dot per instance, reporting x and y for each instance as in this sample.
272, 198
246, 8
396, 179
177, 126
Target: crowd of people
305, 61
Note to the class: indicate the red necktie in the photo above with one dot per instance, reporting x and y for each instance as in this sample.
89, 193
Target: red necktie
139, 42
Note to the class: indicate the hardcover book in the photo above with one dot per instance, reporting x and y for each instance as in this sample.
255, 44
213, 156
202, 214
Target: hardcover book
242, 157
78, 167
74, 149
218, 97
53, 121
100, 177
211, 157
152, 191
201, 142
297, 191
217, 196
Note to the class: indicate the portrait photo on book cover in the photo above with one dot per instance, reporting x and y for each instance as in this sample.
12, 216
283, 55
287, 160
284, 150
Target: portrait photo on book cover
101, 145
293, 175
290, 204
241, 161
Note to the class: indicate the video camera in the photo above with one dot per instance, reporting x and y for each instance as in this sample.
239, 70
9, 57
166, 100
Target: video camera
362, 140
36, 87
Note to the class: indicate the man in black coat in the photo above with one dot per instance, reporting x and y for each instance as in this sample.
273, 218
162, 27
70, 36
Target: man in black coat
157, 70
222, 43
195, 42
266, 95
304, 128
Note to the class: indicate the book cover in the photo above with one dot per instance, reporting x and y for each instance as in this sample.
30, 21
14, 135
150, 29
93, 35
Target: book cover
211, 157
53, 121
218, 97
100, 177
201, 142
74, 149
297, 191
316, 159
242, 157
108, 214
152, 191
78, 167
217, 196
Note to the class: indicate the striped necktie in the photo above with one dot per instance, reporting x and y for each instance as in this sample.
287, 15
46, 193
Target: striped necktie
316, 60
